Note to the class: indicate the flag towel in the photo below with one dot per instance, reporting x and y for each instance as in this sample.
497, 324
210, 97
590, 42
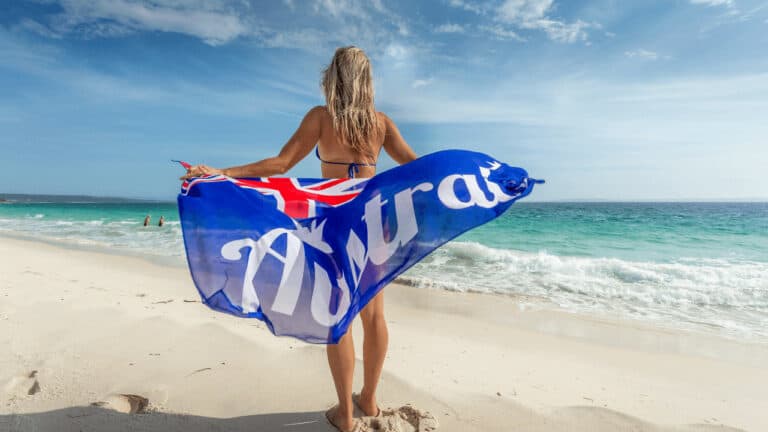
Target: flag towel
306, 255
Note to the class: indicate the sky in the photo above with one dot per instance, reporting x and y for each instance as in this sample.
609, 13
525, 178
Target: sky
605, 99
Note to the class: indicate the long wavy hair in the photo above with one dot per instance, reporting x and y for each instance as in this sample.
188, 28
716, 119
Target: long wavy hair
348, 86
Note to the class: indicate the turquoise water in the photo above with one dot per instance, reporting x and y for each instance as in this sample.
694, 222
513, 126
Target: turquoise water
633, 231
115, 226
702, 266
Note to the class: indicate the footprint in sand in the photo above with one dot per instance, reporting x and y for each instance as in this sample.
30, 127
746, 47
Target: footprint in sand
124, 403
403, 419
34, 389
19, 386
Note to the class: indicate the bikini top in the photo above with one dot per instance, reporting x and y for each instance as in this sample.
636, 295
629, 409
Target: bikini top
353, 169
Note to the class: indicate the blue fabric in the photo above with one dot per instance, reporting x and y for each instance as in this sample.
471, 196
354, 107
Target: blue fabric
308, 277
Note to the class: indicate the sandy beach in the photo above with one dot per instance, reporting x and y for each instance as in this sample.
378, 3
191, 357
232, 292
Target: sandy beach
81, 327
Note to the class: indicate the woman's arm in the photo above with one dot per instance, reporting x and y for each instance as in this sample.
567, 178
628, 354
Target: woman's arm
300, 144
395, 145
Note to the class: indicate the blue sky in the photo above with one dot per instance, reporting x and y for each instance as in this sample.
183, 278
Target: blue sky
609, 100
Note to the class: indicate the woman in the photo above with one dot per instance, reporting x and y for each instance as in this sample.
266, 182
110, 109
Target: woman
347, 135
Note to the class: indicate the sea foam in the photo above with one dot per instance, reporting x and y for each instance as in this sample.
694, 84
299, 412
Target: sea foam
641, 261
731, 295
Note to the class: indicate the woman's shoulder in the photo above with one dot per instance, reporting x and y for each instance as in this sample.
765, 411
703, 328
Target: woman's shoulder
318, 114
384, 120
383, 117
318, 110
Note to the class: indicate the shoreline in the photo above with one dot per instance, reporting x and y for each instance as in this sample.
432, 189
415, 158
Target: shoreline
161, 260
89, 324
532, 302
111, 199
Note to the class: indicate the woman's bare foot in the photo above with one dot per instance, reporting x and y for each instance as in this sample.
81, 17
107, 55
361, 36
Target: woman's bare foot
367, 405
344, 422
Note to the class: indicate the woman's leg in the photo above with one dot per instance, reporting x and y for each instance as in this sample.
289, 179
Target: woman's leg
375, 341
341, 359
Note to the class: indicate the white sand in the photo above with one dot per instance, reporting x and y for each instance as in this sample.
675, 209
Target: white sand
81, 327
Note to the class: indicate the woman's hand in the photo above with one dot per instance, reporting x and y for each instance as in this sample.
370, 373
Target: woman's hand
201, 170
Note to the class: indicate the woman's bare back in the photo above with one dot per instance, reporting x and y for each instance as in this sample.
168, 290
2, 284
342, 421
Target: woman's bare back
330, 148
336, 157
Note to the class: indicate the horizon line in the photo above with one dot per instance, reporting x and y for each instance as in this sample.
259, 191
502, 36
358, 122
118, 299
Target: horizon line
3, 195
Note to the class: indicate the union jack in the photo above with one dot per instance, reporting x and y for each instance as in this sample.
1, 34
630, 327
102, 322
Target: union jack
298, 198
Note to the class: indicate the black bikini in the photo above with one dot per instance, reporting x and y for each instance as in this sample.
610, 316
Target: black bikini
354, 167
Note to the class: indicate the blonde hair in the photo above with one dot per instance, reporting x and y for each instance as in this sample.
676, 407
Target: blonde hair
348, 86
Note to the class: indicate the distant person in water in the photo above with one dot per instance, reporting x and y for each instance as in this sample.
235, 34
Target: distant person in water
162, 221
147, 220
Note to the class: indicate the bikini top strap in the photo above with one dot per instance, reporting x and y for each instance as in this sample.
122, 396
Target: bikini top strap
353, 167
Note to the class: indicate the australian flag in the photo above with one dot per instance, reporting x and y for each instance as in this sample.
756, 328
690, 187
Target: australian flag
306, 255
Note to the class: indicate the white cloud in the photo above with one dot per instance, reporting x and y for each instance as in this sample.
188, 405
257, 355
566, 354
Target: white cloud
397, 53
500, 32
564, 32
212, 21
378, 5
338, 8
475, 7
513, 15
36, 27
449, 28
372, 13
310, 26
709, 111
13, 52
422, 82
642, 54
90, 86
727, 3
670, 136
523, 10
535, 15
730, 13
325, 24
307, 39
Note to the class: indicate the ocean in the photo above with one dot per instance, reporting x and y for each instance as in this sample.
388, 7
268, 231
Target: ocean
696, 266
